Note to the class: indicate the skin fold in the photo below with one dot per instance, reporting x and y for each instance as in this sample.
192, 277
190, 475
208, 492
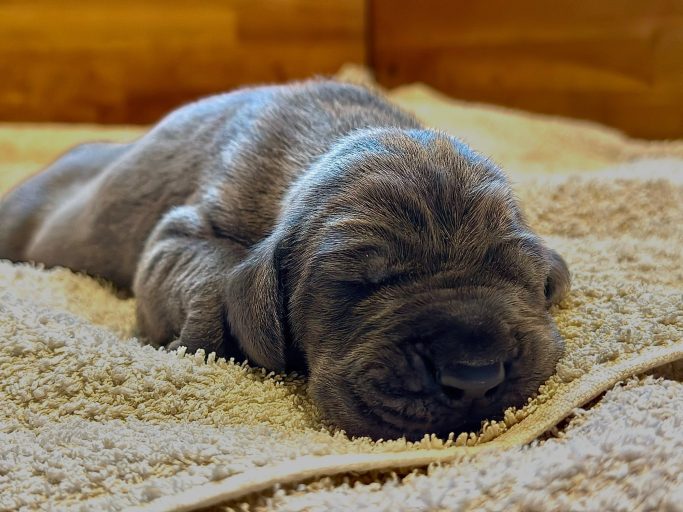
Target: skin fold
317, 227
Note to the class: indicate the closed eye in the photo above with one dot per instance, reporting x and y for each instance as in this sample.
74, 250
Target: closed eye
353, 291
362, 287
395, 278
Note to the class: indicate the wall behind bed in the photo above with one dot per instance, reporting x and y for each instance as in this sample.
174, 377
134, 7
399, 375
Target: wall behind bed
130, 61
619, 62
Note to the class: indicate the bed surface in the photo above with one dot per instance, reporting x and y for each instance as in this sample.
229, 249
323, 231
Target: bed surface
91, 419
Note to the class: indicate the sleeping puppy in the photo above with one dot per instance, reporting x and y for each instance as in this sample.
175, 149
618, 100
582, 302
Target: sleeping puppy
315, 227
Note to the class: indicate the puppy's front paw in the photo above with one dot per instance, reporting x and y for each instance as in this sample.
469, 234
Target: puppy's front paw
205, 326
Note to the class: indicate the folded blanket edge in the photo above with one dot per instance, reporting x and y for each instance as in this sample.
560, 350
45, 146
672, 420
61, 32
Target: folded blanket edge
586, 388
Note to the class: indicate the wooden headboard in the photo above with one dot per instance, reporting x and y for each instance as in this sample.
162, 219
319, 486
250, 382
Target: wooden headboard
131, 61
619, 62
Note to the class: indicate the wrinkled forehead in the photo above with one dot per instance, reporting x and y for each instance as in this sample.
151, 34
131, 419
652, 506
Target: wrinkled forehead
437, 147
412, 165
427, 201
416, 187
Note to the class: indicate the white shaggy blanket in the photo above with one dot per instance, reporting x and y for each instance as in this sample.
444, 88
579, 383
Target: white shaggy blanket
92, 420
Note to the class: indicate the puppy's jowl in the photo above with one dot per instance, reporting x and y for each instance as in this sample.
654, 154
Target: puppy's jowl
314, 227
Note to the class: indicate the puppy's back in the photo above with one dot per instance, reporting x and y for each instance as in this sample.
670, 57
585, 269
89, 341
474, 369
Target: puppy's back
236, 154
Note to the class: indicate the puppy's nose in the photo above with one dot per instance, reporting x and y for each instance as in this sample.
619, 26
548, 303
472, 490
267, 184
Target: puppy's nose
471, 381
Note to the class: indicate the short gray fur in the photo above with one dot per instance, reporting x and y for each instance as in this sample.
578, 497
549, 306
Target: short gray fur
312, 226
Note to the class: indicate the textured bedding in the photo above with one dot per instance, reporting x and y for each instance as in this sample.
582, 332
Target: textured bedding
90, 419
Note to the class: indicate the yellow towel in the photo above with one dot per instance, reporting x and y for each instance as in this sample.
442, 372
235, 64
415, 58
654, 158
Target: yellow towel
90, 419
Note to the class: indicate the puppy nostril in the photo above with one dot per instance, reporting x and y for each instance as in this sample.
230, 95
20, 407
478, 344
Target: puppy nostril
491, 392
453, 393
463, 381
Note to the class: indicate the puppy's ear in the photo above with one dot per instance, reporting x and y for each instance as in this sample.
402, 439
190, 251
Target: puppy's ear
256, 306
558, 280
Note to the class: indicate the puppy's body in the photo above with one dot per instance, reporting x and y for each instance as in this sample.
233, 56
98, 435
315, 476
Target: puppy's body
95, 207
280, 223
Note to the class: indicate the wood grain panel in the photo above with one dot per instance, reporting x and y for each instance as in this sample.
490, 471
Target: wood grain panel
125, 61
619, 62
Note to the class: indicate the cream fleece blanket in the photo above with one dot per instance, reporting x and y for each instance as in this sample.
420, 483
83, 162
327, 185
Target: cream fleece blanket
92, 420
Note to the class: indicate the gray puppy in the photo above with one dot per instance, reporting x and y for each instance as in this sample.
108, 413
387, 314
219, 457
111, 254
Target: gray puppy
315, 227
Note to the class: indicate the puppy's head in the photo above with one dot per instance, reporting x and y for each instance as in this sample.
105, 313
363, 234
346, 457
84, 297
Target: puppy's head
404, 279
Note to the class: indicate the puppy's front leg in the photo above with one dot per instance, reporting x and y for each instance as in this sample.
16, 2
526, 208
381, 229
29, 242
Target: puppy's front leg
180, 284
